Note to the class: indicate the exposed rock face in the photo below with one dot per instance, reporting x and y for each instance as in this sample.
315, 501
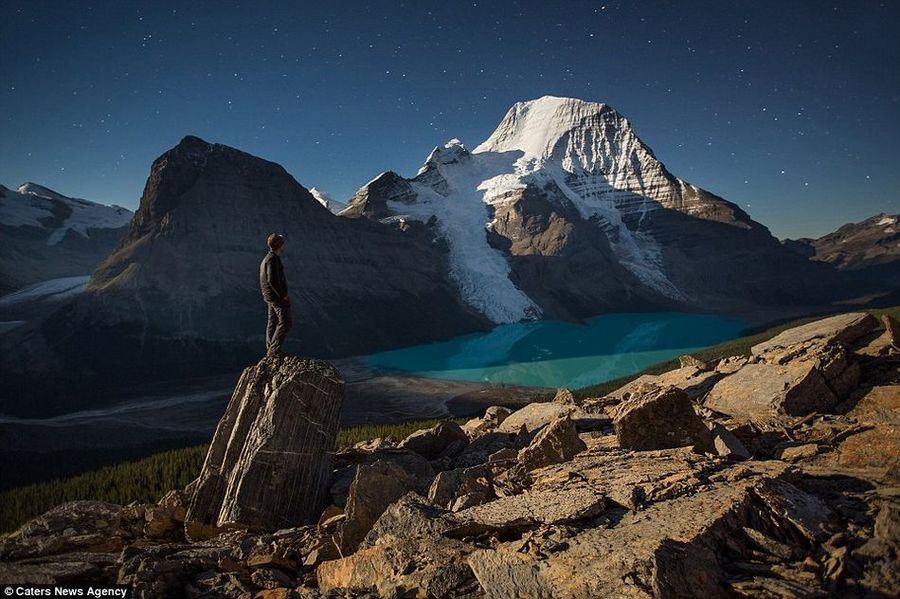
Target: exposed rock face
580, 216
557, 442
869, 248
445, 438
797, 389
374, 488
270, 459
659, 418
803, 370
843, 328
534, 416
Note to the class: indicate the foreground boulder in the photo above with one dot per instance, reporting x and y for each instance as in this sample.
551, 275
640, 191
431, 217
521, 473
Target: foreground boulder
843, 329
763, 390
374, 488
443, 439
658, 418
270, 459
557, 442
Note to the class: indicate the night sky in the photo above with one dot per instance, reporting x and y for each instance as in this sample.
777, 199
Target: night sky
791, 109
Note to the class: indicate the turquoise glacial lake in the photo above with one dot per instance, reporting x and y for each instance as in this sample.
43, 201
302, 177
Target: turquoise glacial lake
556, 354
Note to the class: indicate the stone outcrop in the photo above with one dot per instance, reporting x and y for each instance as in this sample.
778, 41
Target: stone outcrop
658, 418
270, 459
443, 439
556, 442
803, 370
374, 488
761, 390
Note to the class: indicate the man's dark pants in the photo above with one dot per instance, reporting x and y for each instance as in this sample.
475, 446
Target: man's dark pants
278, 324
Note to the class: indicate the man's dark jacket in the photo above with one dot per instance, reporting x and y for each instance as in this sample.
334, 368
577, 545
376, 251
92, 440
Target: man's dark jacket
271, 279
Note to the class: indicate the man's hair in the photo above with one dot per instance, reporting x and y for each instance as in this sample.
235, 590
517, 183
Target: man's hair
275, 241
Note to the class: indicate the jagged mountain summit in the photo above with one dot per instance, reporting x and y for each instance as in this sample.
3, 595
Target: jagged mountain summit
45, 235
564, 211
326, 200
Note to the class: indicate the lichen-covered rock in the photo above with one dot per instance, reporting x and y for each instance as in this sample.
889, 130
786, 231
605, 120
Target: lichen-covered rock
270, 459
659, 418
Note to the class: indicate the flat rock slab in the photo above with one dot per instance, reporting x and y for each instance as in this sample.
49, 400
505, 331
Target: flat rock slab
843, 328
692, 380
534, 416
670, 549
270, 459
539, 507
765, 390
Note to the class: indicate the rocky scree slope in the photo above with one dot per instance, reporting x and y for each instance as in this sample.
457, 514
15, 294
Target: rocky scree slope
703, 481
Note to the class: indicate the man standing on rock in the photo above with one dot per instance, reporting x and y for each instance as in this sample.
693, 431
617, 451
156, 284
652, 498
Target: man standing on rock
275, 292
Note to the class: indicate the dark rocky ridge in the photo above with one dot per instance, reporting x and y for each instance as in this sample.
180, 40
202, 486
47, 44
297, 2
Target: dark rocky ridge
180, 296
553, 500
869, 249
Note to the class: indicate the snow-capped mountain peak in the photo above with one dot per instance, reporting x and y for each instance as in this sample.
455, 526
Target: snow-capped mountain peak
578, 157
326, 200
37, 206
536, 127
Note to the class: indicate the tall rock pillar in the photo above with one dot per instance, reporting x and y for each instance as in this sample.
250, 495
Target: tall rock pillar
270, 458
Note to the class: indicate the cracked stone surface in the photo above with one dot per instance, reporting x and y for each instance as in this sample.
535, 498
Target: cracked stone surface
270, 459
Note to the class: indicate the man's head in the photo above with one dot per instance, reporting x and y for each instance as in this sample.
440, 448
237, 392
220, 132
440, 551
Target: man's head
275, 243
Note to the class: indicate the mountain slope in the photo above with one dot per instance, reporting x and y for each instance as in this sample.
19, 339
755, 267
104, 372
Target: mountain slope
180, 294
46, 235
869, 250
856, 246
563, 211
326, 200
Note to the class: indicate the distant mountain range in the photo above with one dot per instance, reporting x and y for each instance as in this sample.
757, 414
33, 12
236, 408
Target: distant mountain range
46, 235
563, 212
869, 249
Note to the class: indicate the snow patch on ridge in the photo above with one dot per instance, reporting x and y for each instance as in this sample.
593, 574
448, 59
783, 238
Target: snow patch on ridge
46, 291
33, 203
588, 151
481, 271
